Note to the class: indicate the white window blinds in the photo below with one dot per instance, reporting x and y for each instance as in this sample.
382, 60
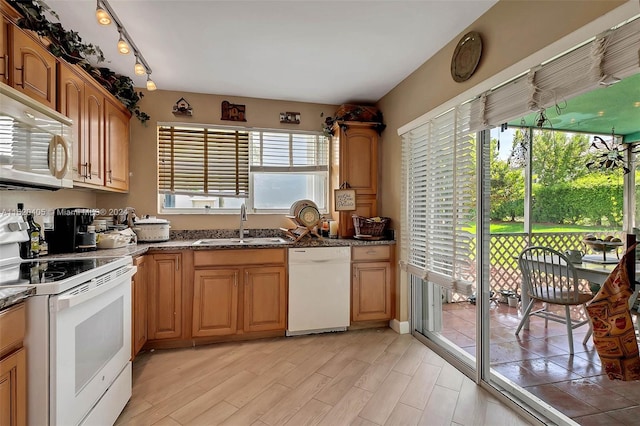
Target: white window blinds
439, 182
289, 152
614, 53
211, 161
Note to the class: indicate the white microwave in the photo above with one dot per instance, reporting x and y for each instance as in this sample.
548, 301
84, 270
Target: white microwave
34, 143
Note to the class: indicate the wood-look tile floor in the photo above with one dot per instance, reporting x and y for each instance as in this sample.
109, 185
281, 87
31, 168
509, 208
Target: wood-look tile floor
365, 377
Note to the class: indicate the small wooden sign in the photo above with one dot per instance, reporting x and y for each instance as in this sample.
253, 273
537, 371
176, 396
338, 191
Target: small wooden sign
345, 199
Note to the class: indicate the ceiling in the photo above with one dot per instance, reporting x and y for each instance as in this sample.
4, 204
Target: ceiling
599, 111
331, 52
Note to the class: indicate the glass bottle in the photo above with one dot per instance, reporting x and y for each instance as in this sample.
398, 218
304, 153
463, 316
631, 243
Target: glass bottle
34, 236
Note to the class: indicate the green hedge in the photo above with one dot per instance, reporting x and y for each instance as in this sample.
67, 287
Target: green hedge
592, 199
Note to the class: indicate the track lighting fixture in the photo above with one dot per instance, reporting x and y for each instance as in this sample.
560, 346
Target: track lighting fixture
101, 15
139, 68
151, 86
123, 47
105, 14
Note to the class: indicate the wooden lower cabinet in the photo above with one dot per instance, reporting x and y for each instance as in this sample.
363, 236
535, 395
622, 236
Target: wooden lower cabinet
238, 292
371, 284
215, 302
165, 296
265, 298
13, 367
204, 296
139, 306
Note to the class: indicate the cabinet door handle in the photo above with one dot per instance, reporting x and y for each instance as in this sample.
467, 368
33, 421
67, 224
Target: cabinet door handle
109, 176
371, 252
246, 278
21, 69
177, 263
86, 171
6, 66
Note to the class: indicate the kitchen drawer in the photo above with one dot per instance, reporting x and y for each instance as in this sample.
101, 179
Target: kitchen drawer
12, 328
367, 253
241, 257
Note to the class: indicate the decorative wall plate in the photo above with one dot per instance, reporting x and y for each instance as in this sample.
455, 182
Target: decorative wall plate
466, 56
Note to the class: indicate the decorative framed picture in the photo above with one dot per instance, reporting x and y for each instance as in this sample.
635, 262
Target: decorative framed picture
345, 199
233, 112
290, 117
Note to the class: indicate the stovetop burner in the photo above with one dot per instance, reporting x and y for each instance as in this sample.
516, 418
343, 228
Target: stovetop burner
47, 271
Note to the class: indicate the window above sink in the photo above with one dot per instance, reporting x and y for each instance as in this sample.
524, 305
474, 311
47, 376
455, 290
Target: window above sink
211, 169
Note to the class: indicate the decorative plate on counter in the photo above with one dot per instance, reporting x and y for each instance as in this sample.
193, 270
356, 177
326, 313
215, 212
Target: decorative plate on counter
299, 205
308, 216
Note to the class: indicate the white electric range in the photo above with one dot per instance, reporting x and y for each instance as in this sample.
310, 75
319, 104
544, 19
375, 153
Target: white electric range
78, 336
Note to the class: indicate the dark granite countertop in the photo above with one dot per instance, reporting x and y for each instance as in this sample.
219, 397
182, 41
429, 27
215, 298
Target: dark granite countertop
10, 296
185, 244
183, 240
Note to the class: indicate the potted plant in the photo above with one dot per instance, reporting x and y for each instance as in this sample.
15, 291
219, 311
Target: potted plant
65, 44
122, 88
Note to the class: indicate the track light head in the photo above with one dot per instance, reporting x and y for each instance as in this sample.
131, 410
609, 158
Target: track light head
138, 68
123, 47
102, 15
151, 86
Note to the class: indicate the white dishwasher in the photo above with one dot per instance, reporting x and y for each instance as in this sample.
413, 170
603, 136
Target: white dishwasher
319, 290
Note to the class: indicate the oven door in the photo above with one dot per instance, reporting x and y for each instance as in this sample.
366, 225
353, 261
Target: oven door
90, 345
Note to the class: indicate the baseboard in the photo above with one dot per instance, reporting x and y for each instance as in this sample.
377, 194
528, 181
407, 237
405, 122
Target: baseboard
399, 327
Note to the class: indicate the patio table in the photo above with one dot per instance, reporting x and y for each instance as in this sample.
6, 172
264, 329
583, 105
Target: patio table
592, 272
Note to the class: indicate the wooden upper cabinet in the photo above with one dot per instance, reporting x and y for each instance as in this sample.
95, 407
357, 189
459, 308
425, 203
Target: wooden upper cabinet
4, 51
215, 302
94, 136
71, 98
354, 161
34, 68
116, 146
359, 158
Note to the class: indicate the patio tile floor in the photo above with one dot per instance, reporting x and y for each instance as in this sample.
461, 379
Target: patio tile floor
539, 361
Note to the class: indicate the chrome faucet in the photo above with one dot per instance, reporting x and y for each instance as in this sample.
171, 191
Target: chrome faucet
243, 219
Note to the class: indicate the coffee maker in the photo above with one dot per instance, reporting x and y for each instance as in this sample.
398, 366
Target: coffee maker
69, 232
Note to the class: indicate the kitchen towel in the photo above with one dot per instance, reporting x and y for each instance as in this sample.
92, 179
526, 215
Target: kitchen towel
613, 334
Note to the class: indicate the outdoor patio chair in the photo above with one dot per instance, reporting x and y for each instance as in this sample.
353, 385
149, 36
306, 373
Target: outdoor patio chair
551, 278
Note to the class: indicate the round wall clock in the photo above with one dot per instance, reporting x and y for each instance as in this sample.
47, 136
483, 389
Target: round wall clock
466, 56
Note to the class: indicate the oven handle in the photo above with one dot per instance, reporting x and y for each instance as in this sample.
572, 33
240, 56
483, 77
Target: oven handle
66, 301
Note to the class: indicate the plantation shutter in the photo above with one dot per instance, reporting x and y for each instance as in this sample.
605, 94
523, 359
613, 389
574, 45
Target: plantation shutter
439, 168
193, 161
615, 53
289, 152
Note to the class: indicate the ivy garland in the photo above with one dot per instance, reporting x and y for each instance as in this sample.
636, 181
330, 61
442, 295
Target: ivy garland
69, 46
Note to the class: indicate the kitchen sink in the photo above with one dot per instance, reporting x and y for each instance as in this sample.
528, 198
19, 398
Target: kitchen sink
249, 241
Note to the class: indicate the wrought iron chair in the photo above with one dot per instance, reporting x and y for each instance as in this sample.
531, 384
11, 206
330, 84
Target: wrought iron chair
551, 278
